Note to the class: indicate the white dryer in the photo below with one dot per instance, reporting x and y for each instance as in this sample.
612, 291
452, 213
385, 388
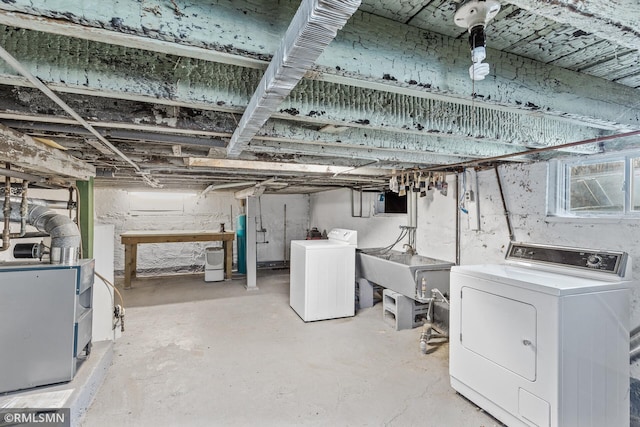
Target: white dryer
322, 276
543, 340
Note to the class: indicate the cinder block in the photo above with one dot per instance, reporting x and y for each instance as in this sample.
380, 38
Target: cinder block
400, 311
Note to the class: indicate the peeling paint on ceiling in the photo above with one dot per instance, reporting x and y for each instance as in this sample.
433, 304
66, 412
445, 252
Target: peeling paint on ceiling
169, 81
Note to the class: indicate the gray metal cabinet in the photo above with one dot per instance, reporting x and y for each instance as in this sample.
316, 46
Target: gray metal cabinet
45, 322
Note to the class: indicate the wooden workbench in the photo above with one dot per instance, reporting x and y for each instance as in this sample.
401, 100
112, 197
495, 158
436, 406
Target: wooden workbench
130, 240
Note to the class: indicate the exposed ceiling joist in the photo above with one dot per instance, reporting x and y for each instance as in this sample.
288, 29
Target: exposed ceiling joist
281, 167
285, 135
100, 34
169, 81
617, 21
40, 85
428, 66
21, 150
497, 136
369, 118
425, 126
407, 158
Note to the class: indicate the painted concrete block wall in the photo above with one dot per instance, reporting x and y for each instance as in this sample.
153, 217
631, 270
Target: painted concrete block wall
525, 188
167, 211
436, 232
272, 207
332, 209
125, 210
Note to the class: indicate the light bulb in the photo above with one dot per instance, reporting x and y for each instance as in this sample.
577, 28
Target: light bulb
478, 54
478, 71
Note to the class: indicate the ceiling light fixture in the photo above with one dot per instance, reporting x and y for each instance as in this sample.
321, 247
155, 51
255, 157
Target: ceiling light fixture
474, 15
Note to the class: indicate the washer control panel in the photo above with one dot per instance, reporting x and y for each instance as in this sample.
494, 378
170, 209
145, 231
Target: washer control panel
603, 261
343, 235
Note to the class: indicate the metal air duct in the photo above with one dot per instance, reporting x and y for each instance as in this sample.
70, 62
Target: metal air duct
313, 27
65, 235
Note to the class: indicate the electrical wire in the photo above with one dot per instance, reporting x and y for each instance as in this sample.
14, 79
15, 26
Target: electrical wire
117, 313
107, 282
113, 300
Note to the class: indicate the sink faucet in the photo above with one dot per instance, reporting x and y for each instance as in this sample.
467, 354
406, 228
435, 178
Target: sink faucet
410, 249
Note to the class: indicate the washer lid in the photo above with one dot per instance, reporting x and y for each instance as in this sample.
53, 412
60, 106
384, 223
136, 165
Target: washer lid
538, 280
321, 244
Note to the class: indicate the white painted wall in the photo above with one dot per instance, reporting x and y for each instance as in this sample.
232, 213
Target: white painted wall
161, 211
165, 211
332, 209
272, 208
525, 194
436, 232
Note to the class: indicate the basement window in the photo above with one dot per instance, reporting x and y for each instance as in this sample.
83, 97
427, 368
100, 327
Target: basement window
390, 203
599, 186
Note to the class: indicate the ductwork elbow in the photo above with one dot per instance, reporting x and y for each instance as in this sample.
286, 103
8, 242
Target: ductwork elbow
65, 235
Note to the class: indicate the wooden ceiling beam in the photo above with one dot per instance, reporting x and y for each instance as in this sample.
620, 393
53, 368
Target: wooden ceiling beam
21, 150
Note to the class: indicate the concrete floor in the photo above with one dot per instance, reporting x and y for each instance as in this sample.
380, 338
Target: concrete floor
209, 354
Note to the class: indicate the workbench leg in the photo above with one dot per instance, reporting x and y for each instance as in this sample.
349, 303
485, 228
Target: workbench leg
228, 258
130, 258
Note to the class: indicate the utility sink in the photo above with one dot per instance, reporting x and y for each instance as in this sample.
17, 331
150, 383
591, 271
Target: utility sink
403, 272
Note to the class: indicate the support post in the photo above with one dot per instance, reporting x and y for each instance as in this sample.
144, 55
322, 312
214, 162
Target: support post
252, 247
85, 204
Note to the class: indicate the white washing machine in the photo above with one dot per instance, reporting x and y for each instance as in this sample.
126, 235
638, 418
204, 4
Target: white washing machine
543, 340
322, 276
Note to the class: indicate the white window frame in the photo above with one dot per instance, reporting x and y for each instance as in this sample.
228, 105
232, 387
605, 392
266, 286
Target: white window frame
558, 185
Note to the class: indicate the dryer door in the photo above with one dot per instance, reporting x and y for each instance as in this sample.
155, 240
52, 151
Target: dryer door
499, 329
